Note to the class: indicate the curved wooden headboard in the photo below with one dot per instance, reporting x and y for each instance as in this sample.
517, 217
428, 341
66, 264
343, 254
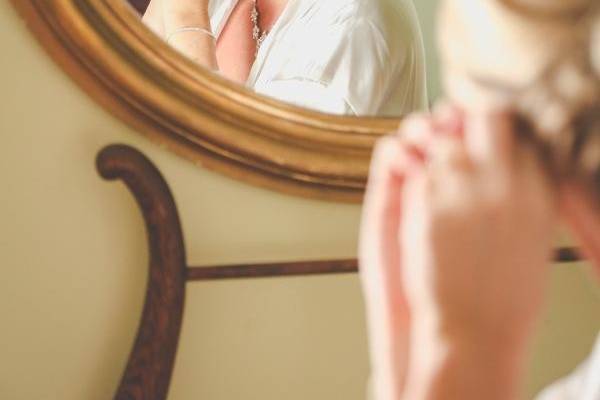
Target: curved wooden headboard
148, 372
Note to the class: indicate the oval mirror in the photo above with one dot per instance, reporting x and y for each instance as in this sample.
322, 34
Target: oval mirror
285, 94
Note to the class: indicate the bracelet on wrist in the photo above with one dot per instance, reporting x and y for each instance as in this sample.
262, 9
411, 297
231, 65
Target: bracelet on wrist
190, 29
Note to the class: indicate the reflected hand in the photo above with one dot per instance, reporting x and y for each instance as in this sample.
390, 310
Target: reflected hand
153, 18
178, 13
167, 18
164, 16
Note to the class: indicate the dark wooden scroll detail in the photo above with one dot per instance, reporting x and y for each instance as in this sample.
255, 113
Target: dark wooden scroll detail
207, 273
567, 255
139, 5
150, 364
301, 268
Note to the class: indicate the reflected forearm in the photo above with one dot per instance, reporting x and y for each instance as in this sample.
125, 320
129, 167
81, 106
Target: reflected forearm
168, 17
153, 18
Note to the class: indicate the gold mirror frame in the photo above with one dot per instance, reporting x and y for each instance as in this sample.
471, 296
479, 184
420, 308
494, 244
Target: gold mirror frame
215, 123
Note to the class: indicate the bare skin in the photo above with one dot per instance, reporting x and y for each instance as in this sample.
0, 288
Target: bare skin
234, 53
455, 245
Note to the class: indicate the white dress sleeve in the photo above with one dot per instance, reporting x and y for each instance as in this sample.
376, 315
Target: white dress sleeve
345, 57
344, 68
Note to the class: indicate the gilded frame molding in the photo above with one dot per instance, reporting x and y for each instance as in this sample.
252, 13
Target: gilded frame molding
221, 126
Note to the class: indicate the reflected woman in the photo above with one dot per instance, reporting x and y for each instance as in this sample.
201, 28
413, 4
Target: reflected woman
352, 57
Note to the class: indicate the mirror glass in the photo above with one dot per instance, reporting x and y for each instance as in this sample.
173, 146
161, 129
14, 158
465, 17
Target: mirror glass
346, 57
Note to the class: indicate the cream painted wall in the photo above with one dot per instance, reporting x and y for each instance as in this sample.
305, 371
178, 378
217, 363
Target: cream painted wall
72, 251
426, 9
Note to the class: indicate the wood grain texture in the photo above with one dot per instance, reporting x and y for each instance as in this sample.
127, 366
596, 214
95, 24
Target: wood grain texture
148, 371
103, 45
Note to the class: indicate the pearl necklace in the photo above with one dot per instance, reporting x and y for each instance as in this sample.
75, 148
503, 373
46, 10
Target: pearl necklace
257, 35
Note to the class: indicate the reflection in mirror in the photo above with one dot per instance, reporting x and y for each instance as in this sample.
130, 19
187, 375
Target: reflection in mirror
347, 57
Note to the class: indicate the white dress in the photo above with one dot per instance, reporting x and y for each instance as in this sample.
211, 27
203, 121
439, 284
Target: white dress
583, 384
356, 57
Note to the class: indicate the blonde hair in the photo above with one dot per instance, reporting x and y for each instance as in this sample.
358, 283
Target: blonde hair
540, 57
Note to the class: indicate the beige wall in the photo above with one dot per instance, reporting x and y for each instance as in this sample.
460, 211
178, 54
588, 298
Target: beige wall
427, 14
73, 258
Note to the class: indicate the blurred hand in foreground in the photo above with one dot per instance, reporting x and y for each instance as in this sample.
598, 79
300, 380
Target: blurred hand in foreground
456, 238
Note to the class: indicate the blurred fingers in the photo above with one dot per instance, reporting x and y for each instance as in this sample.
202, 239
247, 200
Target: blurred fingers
490, 140
450, 118
378, 250
416, 132
379, 258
